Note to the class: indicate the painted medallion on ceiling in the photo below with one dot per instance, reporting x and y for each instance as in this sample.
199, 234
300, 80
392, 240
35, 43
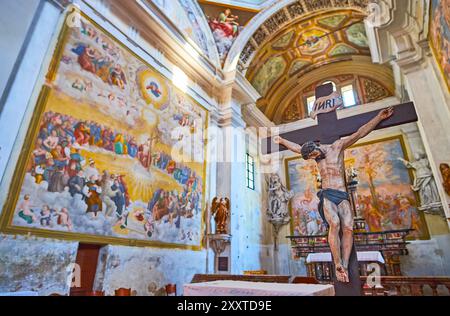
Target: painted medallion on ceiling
284, 40
356, 34
333, 21
269, 73
306, 45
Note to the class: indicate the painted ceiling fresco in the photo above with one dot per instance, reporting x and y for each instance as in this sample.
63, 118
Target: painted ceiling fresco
187, 16
248, 4
226, 25
306, 45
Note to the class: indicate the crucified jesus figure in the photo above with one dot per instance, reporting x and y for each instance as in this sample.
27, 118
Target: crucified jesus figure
334, 206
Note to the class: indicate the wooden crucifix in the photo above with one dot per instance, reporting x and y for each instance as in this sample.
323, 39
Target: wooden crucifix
326, 143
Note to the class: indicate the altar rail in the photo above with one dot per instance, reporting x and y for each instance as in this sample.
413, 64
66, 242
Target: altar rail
409, 286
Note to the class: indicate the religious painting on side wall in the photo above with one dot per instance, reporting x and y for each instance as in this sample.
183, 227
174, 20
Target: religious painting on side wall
440, 35
385, 197
101, 164
303, 178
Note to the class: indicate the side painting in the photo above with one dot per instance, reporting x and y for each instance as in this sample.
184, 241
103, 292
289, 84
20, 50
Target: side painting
440, 35
385, 197
101, 164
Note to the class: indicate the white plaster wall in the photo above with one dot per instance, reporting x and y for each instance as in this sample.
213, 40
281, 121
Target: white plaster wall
43, 266
147, 270
15, 20
247, 213
428, 257
286, 265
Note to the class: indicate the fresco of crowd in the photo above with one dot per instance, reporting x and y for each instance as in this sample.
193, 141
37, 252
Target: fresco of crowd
57, 159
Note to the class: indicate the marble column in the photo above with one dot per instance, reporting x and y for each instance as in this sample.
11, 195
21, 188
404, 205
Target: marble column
399, 35
424, 88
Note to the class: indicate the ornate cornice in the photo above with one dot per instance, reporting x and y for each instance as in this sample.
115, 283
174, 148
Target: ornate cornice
400, 33
254, 117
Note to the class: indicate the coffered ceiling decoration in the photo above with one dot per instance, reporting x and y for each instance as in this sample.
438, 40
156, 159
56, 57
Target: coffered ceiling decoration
282, 17
310, 43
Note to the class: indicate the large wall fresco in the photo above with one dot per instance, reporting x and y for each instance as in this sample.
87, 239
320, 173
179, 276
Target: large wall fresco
385, 197
102, 160
440, 35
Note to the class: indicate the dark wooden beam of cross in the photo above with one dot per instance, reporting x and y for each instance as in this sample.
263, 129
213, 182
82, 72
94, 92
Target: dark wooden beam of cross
329, 130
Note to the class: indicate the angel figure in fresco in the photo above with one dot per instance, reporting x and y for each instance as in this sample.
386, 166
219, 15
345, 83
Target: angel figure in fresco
64, 219
88, 30
220, 209
227, 23
117, 77
25, 211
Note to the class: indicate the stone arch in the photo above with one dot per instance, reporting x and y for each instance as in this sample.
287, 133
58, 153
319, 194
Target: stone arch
273, 19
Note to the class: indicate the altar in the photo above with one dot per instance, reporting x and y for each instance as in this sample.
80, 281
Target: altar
243, 288
319, 265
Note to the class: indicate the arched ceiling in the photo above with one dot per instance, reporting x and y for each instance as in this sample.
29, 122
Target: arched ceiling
360, 66
322, 45
306, 45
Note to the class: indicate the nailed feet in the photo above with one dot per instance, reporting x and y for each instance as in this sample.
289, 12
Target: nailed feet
342, 274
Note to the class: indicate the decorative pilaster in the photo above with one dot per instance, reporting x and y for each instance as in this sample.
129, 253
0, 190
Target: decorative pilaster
400, 36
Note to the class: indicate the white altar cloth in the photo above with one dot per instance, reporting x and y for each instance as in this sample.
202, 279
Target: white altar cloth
363, 256
239, 288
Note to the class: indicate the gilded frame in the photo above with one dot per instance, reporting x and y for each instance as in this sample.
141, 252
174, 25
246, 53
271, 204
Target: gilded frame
434, 49
400, 138
8, 211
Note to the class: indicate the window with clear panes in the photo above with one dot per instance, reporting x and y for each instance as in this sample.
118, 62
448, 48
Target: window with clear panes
250, 163
347, 91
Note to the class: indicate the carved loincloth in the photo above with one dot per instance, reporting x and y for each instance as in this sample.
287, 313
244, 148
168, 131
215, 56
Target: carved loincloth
334, 196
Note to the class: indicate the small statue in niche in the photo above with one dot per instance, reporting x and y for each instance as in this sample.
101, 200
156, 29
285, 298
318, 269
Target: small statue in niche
279, 198
220, 209
445, 171
424, 183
